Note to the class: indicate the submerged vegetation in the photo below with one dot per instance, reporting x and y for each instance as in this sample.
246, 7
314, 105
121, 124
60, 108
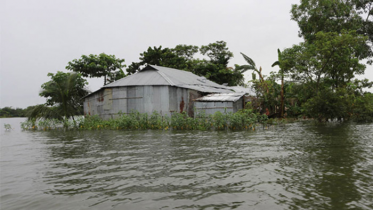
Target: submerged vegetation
242, 120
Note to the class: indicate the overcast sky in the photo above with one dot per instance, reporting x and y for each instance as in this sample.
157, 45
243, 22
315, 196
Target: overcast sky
41, 36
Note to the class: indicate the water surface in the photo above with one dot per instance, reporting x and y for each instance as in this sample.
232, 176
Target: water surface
299, 166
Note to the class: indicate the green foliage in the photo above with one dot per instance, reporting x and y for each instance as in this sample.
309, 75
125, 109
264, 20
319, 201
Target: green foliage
323, 71
28, 125
49, 124
333, 58
12, 112
182, 57
267, 90
179, 121
243, 120
362, 108
326, 105
102, 65
216, 68
64, 94
179, 57
314, 16
46, 112
280, 63
220, 121
343, 103
337, 37
218, 52
64, 88
7, 126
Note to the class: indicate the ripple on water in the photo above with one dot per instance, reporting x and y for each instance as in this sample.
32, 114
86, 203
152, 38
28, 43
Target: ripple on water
299, 166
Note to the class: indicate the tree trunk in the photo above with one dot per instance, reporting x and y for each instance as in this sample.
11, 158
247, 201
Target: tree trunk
282, 95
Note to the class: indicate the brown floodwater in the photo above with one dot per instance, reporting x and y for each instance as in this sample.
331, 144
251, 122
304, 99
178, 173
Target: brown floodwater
298, 166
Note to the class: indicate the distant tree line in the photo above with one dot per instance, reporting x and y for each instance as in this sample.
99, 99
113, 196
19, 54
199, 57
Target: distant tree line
9, 111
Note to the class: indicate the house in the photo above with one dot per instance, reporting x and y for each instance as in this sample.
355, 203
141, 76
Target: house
154, 88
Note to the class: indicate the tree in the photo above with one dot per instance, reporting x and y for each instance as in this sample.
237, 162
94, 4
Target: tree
332, 58
252, 66
102, 65
185, 51
12, 112
336, 16
182, 57
218, 53
280, 63
216, 69
267, 89
179, 57
345, 103
64, 94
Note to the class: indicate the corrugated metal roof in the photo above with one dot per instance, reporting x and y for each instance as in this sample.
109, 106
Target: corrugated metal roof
158, 75
139, 79
240, 89
222, 97
206, 89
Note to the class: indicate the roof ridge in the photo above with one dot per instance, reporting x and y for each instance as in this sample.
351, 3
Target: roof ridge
166, 78
159, 71
117, 81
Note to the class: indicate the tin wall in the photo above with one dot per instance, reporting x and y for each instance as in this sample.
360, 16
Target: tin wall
238, 105
210, 107
182, 100
145, 99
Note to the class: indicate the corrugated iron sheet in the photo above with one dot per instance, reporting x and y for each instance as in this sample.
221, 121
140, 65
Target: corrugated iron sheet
145, 99
210, 107
233, 97
206, 89
240, 89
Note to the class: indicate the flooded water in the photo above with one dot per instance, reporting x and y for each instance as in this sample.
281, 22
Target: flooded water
299, 166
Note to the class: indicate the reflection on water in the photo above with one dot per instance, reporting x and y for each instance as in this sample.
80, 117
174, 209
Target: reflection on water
299, 166
332, 168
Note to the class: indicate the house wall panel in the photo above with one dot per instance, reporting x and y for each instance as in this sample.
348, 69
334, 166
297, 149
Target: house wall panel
119, 101
148, 96
145, 99
139, 99
164, 97
172, 91
210, 107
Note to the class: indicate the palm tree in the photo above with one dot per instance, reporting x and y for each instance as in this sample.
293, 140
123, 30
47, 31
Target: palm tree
64, 97
279, 63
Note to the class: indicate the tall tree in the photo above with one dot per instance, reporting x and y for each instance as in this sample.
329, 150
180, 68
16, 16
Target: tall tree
280, 63
102, 65
335, 16
332, 59
335, 42
216, 68
218, 53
